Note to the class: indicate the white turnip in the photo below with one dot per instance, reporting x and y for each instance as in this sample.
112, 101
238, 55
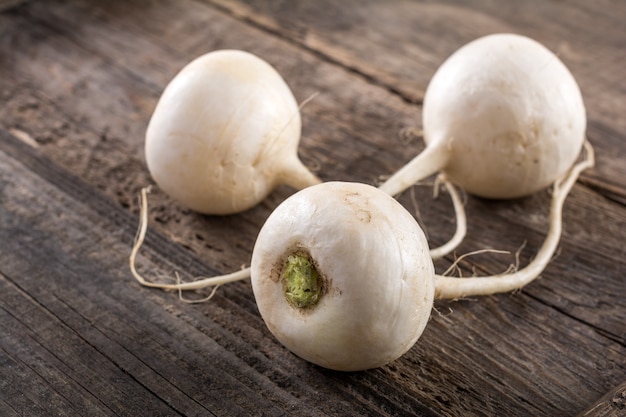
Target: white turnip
502, 117
342, 276
225, 133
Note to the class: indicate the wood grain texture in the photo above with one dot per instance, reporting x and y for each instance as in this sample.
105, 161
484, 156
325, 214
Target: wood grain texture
78, 82
613, 404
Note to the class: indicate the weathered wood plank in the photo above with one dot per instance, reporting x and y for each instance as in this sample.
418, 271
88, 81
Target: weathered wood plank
37, 347
613, 404
81, 81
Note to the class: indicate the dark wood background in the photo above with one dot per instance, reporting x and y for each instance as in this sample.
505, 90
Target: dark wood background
78, 82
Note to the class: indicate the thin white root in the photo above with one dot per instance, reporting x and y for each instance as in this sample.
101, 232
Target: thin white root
465, 255
308, 100
461, 224
454, 288
195, 301
517, 255
294, 174
409, 134
193, 285
459, 213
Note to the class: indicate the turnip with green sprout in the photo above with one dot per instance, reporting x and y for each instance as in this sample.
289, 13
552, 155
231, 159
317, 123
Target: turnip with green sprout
342, 276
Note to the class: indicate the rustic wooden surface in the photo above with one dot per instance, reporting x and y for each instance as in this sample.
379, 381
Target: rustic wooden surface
78, 82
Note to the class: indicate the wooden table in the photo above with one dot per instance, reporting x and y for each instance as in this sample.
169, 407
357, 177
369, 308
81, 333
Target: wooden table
78, 336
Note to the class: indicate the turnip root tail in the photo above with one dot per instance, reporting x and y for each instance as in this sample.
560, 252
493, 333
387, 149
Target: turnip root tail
193, 285
461, 223
431, 160
454, 288
294, 173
